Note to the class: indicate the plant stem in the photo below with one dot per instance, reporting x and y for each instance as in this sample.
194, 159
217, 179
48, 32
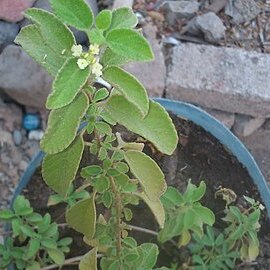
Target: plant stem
118, 206
140, 229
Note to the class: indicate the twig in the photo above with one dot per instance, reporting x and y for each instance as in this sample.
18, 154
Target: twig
68, 261
140, 229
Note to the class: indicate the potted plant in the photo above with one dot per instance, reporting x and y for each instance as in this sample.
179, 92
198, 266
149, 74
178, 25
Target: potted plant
100, 206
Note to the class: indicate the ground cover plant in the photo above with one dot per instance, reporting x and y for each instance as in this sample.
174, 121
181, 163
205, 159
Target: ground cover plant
82, 120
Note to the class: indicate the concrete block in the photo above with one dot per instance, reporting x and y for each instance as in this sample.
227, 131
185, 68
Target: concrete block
226, 79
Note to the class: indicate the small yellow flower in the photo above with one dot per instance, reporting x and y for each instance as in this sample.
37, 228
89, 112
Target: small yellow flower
94, 49
76, 50
96, 69
82, 63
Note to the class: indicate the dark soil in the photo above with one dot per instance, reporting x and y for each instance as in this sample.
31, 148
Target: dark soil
198, 157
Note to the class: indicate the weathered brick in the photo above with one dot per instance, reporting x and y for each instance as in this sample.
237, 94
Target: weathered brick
227, 79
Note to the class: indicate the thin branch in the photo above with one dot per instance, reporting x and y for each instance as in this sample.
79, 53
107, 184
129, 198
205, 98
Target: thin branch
140, 229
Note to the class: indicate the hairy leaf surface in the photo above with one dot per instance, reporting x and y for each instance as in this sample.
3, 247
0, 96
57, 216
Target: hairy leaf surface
148, 173
63, 124
59, 170
157, 126
129, 86
123, 17
34, 44
68, 82
73, 12
89, 260
129, 43
55, 33
82, 217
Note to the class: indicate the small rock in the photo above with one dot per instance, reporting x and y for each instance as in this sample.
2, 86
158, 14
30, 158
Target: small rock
28, 86
242, 11
245, 125
23, 165
211, 26
5, 138
12, 11
8, 32
35, 135
225, 118
180, 9
122, 3
17, 137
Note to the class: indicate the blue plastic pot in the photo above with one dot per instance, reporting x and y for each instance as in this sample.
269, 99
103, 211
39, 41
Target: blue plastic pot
207, 122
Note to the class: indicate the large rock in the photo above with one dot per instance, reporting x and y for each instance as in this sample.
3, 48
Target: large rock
12, 10
8, 32
227, 79
151, 74
22, 78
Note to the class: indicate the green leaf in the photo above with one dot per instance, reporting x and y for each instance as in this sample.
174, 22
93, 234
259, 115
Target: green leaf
92, 170
34, 245
22, 206
123, 18
6, 214
150, 253
129, 86
34, 44
156, 207
107, 199
101, 94
189, 219
205, 214
82, 217
68, 82
49, 243
96, 36
63, 124
57, 256
130, 44
125, 113
89, 260
102, 184
110, 58
103, 19
55, 33
59, 170
148, 173
73, 12
171, 198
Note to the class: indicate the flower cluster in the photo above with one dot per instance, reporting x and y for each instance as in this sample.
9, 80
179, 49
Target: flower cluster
89, 58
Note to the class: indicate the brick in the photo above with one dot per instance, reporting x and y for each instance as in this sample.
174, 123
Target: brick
226, 79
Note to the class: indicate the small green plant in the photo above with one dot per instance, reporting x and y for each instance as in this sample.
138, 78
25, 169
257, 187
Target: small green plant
123, 175
33, 241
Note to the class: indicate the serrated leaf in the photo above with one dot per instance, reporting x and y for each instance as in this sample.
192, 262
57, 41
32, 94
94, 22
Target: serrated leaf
156, 207
157, 126
103, 19
34, 44
129, 43
150, 253
148, 173
129, 86
123, 18
73, 12
82, 217
89, 260
59, 170
110, 58
56, 255
63, 124
56, 34
68, 82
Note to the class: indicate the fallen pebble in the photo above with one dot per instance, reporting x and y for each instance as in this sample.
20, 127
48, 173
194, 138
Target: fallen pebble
17, 137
